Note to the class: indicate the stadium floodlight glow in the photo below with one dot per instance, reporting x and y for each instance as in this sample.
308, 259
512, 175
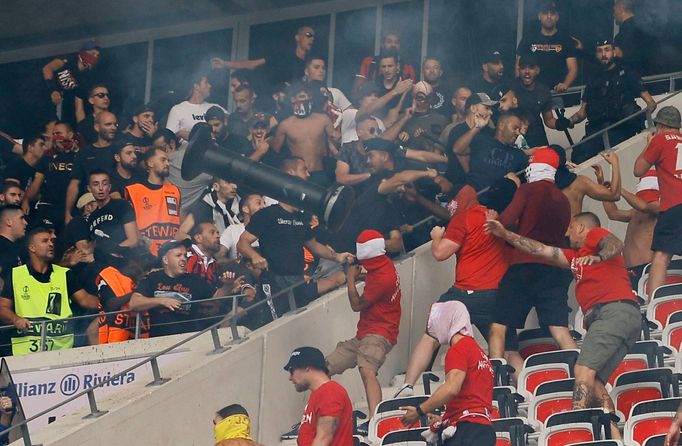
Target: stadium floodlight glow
203, 155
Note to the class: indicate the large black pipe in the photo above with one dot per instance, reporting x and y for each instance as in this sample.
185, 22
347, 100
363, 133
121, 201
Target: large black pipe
203, 155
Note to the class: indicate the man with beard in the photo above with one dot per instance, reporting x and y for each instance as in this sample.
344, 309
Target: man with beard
425, 125
156, 201
22, 170
125, 172
225, 138
142, 128
99, 156
306, 134
535, 99
432, 73
219, 205
609, 97
492, 73
201, 256
243, 100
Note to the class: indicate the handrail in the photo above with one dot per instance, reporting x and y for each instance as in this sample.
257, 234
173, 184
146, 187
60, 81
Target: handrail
646, 80
231, 317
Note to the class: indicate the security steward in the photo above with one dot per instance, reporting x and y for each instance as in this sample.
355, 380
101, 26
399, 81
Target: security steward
609, 97
42, 291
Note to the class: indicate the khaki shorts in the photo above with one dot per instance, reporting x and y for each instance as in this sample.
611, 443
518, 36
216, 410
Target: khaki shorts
369, 352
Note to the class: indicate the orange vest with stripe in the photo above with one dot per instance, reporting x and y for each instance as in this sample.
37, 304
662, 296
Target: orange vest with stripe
157, 212
120, 327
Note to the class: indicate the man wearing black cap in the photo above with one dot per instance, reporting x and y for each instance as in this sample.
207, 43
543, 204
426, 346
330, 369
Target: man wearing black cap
225, 138
328, 416
100, 155
609, 97
492, 73
535, 100
142, 128
555, 50
171, 294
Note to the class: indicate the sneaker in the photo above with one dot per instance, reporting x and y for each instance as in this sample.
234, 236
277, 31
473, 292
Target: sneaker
363, 429
292, 434
405, 390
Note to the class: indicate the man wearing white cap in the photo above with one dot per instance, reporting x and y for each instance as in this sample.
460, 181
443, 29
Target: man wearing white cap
641, 220
540, 211
468, 389
423, 129
379, 308
664, 151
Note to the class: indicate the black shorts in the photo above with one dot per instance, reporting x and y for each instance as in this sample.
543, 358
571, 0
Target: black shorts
634, 274
668, 231
536, 285
468, 434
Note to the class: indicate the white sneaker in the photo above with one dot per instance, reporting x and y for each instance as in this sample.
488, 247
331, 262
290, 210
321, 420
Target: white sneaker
405, 390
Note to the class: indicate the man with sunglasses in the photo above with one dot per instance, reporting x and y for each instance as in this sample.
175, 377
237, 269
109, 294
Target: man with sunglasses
99, 100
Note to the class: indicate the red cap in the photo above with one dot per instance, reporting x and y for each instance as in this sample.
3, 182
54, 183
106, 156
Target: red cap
545, 155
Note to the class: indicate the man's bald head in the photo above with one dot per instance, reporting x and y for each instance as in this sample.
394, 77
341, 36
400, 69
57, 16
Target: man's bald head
589, 219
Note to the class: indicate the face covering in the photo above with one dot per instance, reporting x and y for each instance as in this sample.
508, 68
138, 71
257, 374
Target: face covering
88, 59
539, 171
302, 109
234, 426
62, 144
447, 319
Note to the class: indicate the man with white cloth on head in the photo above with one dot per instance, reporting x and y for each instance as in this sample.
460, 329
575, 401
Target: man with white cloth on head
468, 389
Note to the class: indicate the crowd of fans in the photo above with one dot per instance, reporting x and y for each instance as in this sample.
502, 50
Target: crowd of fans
97, 219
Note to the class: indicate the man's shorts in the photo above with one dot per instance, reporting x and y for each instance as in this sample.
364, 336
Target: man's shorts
368, 353
635, 274
528, 285
667, 232
612, 330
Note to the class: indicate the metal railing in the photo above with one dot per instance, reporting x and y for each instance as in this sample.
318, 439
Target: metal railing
231, 318
670, 77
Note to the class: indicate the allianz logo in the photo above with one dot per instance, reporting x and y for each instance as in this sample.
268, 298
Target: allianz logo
71, 383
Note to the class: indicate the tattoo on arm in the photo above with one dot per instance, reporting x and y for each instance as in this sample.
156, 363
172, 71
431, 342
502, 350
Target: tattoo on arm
581, 396
525, 244
555, 252
610, 246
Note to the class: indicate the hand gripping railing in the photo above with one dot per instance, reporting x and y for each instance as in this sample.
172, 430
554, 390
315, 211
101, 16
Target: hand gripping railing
231, 318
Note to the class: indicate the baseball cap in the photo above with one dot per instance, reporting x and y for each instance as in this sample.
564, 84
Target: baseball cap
90, 44
85, 199
479, 98
668, 116
380, 144
603, 41
142, 108
548, 6
499, 195
528, 59
259, 120
422, 87
214, 112
491, 56
545, 155
306, 357
163, 250
502, 89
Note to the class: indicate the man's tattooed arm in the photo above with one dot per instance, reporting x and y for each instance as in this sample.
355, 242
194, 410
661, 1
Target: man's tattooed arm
535, 248
609, 246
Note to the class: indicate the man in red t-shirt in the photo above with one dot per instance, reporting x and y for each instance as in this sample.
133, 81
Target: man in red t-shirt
379, 307
603, 291
664, 151
482, 260
328, 417
467, 393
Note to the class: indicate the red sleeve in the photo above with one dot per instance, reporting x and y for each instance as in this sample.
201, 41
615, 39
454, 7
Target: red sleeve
652, 152
649, 195
331, 403
458, 357
456, 230
408, 72
592, 240
364, 67
513, 212
570, 255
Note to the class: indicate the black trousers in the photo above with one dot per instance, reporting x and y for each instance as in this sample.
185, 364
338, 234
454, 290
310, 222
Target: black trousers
469, 434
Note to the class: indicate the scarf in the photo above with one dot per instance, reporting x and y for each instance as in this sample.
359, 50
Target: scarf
539, 171
234, 426
447, 319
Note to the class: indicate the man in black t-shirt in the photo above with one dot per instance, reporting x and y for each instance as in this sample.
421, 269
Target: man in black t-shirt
535, 101
282, 231
609, 96
555, 50
142, 128
492, 73
172, 295
22, 170
76, 232
112, 225
12, 229
98, 98
632, 43
99, 156
126, 171
11, 193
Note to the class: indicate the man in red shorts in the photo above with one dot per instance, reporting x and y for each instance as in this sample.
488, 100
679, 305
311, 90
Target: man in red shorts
665, 152
468, 389
328, 417
603, 291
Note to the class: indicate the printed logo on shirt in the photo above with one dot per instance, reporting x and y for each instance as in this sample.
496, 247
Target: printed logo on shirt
66, 80
284, 221
25, 294
172, 205
307, 417
577, 270
198, 117
146, 204
546, 47
484, 364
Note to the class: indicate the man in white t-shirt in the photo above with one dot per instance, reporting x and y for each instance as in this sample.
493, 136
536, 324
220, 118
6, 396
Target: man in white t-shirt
249, 205
184, 115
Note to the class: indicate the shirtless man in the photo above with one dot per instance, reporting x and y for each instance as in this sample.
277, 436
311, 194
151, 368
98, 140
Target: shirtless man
641, 220
576, 187
306, 134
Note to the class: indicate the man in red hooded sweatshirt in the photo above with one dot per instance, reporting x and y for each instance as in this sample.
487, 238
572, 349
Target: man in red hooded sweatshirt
379, 307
